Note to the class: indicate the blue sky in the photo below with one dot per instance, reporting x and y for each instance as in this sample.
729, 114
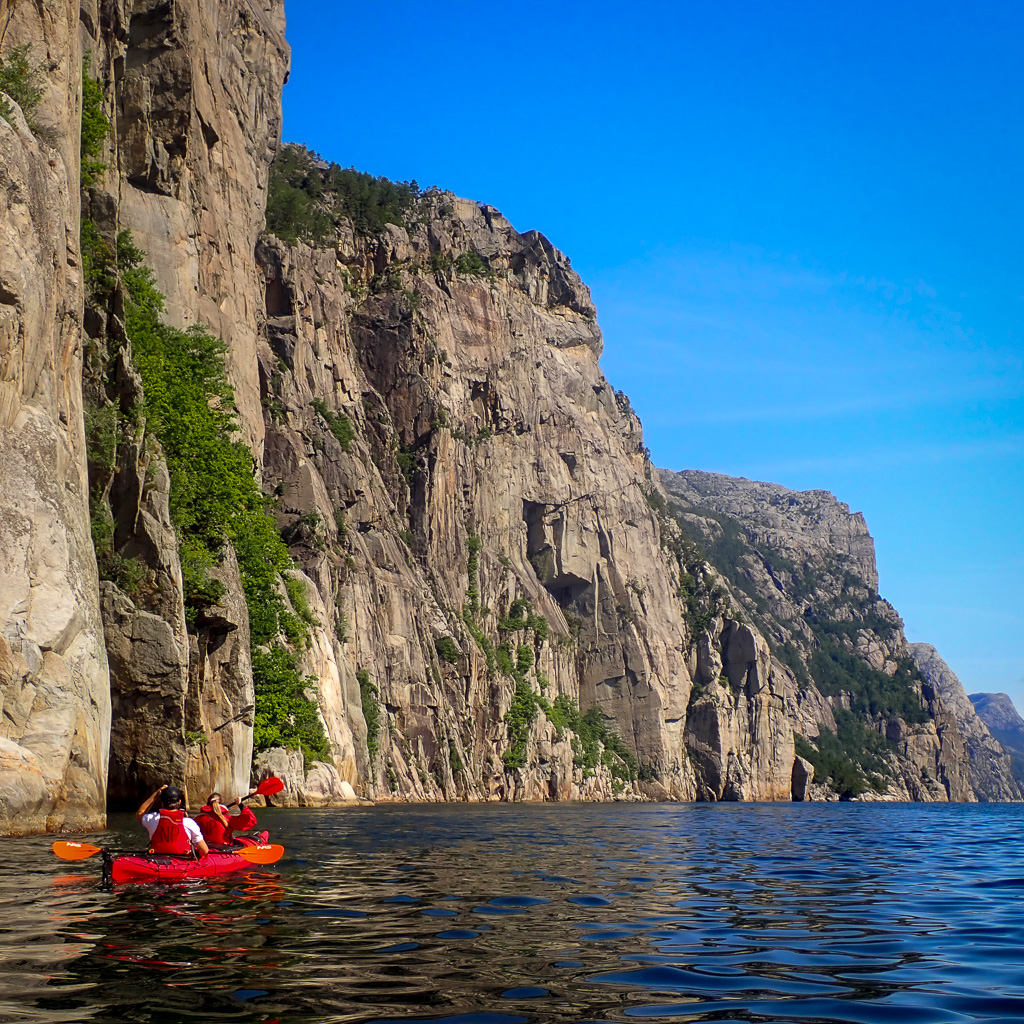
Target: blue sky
802, 227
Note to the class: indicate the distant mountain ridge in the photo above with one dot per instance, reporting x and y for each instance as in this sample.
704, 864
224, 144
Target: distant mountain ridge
996, 710
802, 566
990, 759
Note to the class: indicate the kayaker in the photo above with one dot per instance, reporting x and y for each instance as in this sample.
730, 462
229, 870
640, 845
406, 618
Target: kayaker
219, 825
170, 831
212, 820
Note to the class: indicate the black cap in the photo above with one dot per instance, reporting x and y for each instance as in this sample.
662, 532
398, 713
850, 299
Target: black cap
171, 795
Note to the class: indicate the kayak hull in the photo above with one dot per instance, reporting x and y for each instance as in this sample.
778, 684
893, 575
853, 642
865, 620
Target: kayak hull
156, 867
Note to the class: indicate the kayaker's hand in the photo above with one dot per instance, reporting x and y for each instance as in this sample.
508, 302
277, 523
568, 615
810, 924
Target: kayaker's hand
150, 802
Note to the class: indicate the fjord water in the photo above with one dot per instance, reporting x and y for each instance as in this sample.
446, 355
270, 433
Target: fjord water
910, 914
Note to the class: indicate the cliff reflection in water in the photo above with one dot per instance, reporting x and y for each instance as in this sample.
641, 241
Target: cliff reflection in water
859, 913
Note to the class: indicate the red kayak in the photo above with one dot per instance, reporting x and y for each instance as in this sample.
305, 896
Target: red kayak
163, 867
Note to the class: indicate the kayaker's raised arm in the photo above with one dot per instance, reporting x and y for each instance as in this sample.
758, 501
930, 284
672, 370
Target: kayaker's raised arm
243, 821
149, 803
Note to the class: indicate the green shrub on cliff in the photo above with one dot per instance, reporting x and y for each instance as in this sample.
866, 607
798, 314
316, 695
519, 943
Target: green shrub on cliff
836, 670
189, 406
369, 699
594, 743
285, 716
473, 263
292, 214
518, 720
851, 759
22, 80
340, 426
447, 650
99, 263
95, 128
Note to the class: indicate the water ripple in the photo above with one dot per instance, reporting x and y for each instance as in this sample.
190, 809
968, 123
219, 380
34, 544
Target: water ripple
837, 914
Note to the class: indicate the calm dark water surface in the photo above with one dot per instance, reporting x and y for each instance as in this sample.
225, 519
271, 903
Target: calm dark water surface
501, 914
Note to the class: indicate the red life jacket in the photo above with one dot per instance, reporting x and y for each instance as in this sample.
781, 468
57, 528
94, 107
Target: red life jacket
170, 835
210, 824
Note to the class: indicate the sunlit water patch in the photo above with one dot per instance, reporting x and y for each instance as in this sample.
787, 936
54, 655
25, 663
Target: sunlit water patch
817, 914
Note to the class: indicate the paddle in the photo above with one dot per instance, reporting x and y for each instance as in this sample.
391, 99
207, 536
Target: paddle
267, 853
268, 787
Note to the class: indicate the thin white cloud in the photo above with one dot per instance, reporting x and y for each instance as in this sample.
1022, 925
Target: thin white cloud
994, 447
969, 613
771, 298
835, 408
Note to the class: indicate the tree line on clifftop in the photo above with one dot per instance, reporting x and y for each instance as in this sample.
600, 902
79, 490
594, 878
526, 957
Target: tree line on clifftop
307, 197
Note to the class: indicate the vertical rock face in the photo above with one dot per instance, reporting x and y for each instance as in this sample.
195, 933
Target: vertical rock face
484, 461
738, 736
219, 701
198, 95
55, 713
193, 90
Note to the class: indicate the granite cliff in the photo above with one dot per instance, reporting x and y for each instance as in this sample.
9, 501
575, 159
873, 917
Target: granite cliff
192, 93
487, 536
353, 495
54, 687
169, 132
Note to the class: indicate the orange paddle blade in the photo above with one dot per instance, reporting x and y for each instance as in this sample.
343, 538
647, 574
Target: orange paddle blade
266, 853
74, 851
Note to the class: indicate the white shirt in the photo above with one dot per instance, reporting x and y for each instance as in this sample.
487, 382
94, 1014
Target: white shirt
151, 820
